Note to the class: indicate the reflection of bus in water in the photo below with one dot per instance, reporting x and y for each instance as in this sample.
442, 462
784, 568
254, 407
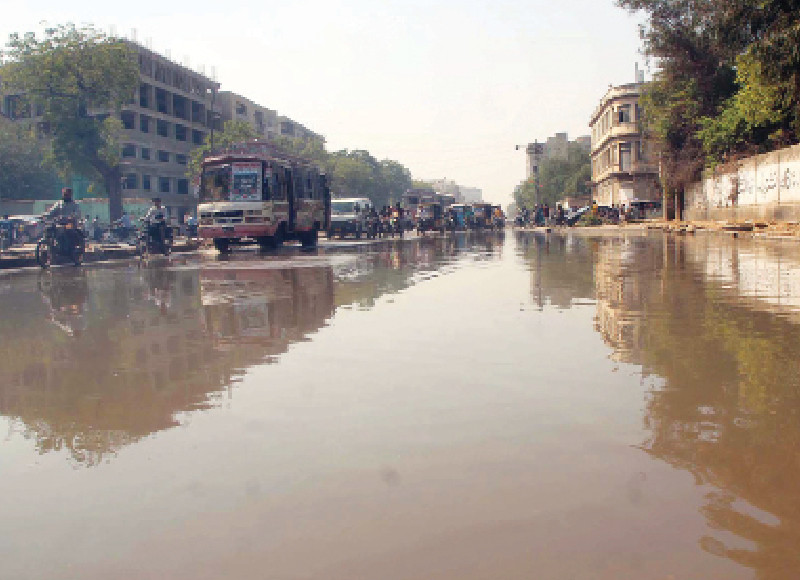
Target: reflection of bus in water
255, 193
266, 306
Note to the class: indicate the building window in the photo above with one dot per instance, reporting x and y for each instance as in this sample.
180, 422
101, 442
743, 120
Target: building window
146, 153
641, 151
162, 105
625, 156
181, 159
129, 150
162, 128
163, 185
163, 156
130, 181
144, 96
197, 137
241, 109
146, 182
128, 119
624, 114
181, 133
144, 123
197, 112
183, 186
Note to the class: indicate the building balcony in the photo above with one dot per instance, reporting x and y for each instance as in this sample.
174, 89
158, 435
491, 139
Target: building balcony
620, 131
640, 168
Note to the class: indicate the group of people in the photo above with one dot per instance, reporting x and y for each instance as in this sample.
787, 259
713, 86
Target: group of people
541, 215
69, 209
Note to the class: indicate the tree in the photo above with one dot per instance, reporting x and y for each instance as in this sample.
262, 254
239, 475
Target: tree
727, 80
79, 79
558, 178
395, 180
25, 169
233, 131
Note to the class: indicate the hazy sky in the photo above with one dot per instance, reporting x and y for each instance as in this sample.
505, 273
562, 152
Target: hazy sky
446, 88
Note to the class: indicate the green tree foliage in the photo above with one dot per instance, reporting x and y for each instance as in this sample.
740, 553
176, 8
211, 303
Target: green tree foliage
357, 173
558, 178
234, 131
25, 169
78, 78
727, 79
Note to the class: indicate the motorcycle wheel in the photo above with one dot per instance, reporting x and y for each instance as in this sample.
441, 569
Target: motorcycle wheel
77, 254
222, 245
44, 254
309, 239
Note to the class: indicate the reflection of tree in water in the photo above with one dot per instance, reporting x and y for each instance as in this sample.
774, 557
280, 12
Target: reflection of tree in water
135, 368
160, 342
729, 412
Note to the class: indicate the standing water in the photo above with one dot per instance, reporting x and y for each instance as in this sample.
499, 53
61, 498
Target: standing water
520, 406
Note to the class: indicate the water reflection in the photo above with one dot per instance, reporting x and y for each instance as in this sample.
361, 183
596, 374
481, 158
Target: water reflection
94, 360
716, 319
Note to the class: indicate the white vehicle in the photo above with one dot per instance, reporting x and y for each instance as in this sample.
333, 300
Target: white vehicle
349, 216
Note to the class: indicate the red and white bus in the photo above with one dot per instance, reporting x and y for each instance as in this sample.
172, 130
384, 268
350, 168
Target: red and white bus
254, 193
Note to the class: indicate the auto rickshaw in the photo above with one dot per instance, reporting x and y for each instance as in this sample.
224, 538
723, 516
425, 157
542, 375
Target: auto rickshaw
460, 216
430, 218
483, 216
498, 218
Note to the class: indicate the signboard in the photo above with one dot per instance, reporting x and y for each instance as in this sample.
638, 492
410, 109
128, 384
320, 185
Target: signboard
246, 183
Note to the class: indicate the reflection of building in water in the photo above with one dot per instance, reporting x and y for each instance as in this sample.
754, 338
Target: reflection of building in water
712, 320
557, 263
137, 365
622, 296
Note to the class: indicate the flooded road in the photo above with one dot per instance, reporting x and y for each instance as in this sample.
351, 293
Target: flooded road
517, 407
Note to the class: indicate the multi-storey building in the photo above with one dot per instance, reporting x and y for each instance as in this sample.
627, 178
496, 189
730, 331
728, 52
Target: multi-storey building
624, 167
555, 147
289, 128
170, 115
236, 107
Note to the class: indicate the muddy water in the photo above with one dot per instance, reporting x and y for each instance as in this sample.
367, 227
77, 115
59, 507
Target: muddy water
531, 406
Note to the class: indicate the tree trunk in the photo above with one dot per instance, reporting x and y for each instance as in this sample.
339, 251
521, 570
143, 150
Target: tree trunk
113, 182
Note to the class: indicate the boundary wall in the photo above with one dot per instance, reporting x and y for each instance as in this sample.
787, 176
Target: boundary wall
761, 188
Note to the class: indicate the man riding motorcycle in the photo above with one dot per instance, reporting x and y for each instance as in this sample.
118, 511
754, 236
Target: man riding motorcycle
158, 233
64, 232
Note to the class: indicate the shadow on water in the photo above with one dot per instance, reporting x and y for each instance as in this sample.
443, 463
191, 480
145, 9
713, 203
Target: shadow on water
95, 360
719, 321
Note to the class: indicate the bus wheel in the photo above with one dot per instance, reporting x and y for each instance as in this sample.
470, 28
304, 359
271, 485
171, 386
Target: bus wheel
309, 239
222, 245
277, 239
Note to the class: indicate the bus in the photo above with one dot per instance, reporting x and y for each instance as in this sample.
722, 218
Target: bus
255, 193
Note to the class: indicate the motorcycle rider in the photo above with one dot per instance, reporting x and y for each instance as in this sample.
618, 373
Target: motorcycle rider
155, 215
66, 209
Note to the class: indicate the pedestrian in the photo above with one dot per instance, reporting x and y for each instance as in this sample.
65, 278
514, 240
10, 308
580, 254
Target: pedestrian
97, 230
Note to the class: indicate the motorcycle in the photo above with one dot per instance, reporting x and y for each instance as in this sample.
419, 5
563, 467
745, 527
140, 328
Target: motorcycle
155, 237
63, 237
373, 226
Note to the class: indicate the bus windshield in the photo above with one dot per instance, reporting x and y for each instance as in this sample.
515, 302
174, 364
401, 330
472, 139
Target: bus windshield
216, 183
